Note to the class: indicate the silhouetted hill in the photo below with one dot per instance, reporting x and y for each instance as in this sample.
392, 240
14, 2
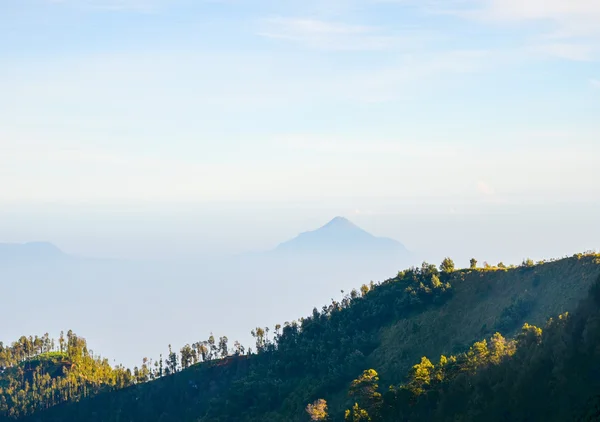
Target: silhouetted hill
388, 327
340, 236
32, 252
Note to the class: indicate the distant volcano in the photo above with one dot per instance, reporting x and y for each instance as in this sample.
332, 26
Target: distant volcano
340, 235
32, 251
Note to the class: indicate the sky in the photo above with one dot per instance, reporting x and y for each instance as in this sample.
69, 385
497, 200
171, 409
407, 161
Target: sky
232, 125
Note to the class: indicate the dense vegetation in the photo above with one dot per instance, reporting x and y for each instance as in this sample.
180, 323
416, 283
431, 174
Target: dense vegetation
387, 326
37, 373
549, 374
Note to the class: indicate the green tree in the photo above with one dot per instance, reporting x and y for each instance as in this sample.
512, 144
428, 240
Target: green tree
172, 363
238, 349
478, 355
447, 265
528, 263
187, 356
530, 335
435, 282
223, 349
473, 263
202, 350
364, 389
421, 375
61, 342
357, 414
212, 347
259, 335
440, 370
499, 347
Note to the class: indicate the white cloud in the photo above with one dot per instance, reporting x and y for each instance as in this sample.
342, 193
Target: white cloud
566, 50
311, 26
565, 12
328, 35
566, 29
410, 72
342, 145
595, 83
115, 5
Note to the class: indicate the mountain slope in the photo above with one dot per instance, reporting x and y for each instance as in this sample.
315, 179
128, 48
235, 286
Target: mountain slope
35, 374
387, 327
340, 236
543, 374
484, 302
30, 252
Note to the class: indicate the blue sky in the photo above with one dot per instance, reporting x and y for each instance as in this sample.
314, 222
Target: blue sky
464, 103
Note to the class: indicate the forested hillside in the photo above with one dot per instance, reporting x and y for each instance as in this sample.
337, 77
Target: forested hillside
384, 329
37, 373
543, 374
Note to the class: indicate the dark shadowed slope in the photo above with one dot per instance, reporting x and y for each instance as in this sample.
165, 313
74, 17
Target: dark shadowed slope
340, 236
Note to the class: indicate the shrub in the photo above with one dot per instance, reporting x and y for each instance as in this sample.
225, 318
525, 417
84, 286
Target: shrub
513, 315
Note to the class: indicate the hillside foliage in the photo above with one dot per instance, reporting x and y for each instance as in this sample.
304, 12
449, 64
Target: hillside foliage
37, 373
549, 374
302, 370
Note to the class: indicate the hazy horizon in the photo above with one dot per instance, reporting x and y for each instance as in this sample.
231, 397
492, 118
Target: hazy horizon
495, 231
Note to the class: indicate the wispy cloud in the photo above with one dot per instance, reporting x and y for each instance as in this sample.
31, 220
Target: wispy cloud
387, 83
567, 14
574, 51
330, 35
114, 5
563, 29
564, 14
595, 83
342, 145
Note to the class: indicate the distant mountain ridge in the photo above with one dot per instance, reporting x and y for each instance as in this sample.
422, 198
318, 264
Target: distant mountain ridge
30, 251
340, 235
